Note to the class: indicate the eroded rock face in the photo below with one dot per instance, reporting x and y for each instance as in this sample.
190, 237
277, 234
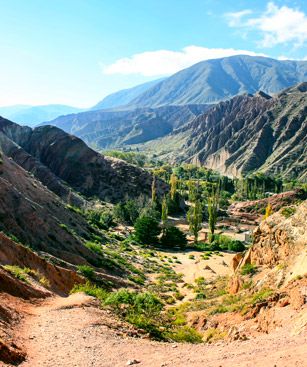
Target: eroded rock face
247, 133
280, 240
56, 158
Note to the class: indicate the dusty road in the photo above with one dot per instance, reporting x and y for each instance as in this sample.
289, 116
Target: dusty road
72, 331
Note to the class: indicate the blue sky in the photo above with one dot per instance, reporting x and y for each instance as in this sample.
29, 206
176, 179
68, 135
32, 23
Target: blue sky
77, 51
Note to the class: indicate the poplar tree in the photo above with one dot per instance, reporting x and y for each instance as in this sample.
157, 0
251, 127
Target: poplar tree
153, 190
195, 219
173, 184
164, 213
213, 207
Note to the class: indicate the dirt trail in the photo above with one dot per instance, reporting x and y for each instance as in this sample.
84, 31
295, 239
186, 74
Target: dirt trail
73, 331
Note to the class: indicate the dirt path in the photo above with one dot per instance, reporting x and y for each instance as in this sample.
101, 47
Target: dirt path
74, 332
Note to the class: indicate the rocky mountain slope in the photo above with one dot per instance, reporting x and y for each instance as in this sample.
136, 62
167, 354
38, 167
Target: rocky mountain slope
245, 134
33, 115
212, 81
59, 160
106, 129
124, 96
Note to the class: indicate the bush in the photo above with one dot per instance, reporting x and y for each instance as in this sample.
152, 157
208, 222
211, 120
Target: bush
172, 236
248, 269
185, 334
236, 246
86, 271
147, 230
91, 290
18, 272
102, 219
288, 211
95, 247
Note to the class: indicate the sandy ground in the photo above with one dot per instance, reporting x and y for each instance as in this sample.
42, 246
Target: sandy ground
73, 332
197, 267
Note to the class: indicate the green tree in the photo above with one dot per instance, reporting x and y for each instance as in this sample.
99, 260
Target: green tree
147, 230
164, 213
173, 184
195, 219
172, 236
213, 207
153, 189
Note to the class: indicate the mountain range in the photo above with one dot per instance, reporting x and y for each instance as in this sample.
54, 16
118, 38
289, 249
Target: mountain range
245, 134
109, 129
33, 115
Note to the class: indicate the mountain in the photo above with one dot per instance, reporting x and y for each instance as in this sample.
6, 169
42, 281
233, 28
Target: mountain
33, 115
124, 97
212, 81
106, 129
245, 134
64, 163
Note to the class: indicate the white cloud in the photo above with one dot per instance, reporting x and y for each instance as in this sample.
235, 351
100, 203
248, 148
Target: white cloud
235, 18
165, 62
278, 25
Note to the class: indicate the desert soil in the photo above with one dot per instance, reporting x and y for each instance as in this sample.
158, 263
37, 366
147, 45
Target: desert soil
73, 331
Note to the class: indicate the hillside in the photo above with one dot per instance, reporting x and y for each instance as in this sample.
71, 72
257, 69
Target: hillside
216, 80
33, 115
58, 159
124, 96
105, 129
245, 134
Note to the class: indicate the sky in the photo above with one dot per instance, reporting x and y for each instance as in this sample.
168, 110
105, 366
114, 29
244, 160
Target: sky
75, 52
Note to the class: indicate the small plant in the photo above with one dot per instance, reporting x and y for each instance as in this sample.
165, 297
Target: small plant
91, 290
18, 272
288, 211
191, 257
248, 269
86, 271
95, 247
185, 334
214, 335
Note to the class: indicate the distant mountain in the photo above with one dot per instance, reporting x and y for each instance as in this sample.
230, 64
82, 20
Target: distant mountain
33, 115
212, 81
245, 134
109, 129
62, 161
125, 96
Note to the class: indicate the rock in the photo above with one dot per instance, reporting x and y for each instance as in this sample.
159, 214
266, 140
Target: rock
236, 260
132, 361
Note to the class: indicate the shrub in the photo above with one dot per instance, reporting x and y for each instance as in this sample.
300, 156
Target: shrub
87, 271
236, 246
18, 272
288, 211
95, 247
185, 334
102, 219
147, 230
91, 290
248, 269
172, 236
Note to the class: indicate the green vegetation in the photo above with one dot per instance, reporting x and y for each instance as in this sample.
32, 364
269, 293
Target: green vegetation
248, 269
137, 159
213, 207
288, 211
18, 272
173, 237
195, 219
86, 271
147, 230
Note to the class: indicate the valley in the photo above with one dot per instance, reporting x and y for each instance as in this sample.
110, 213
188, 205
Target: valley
165, 226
